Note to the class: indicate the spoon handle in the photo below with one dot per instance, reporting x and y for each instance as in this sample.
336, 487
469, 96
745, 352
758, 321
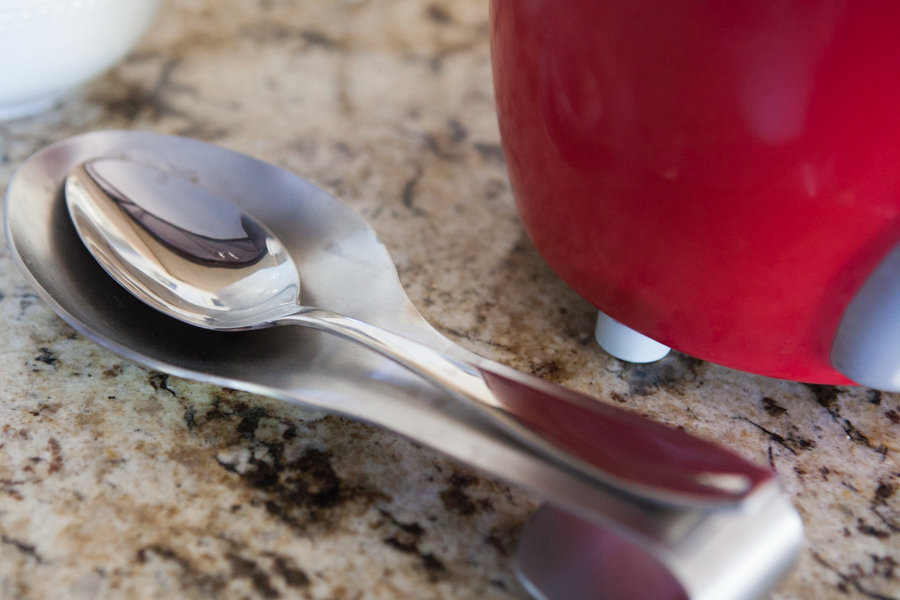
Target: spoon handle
607, 444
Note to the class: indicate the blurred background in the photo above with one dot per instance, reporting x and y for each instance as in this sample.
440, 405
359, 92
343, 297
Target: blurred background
117, 482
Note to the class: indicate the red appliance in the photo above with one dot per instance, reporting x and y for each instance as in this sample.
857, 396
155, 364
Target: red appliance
720, 176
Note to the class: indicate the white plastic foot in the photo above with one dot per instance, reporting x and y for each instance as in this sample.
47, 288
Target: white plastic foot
625, 343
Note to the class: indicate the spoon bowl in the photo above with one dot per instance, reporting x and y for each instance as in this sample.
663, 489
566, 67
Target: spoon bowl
179, 248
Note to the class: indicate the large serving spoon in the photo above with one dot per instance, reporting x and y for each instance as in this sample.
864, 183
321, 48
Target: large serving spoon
711, 553
196, 257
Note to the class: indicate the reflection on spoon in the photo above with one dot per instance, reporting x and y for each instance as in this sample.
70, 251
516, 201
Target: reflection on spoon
196, 257
179, 248
203, 231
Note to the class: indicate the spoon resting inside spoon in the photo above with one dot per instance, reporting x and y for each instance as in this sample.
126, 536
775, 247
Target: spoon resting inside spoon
196, 257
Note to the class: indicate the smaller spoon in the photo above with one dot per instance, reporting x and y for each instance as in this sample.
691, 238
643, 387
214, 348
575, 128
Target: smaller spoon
196, 257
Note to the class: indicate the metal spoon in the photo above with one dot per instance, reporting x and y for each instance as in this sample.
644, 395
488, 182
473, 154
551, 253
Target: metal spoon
713, 554
194, 256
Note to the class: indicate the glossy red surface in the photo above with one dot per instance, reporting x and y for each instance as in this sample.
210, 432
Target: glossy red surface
721, 176
635, 454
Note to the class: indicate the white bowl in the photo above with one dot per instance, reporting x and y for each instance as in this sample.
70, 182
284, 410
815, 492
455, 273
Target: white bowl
49, 46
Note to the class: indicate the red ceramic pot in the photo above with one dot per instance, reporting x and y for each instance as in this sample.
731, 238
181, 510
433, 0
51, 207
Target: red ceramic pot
720, 176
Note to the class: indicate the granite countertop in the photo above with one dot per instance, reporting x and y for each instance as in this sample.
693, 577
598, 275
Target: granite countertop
119, 482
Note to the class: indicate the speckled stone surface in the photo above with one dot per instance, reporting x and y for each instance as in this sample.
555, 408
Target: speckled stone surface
117, 482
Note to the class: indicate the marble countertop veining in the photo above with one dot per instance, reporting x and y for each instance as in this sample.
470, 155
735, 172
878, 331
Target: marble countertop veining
118, 482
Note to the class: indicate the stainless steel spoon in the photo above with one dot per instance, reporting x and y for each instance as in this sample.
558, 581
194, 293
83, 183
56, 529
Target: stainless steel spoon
194, 256
713, 554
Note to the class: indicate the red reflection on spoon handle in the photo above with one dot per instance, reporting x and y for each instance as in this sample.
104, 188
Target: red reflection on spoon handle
633, 452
